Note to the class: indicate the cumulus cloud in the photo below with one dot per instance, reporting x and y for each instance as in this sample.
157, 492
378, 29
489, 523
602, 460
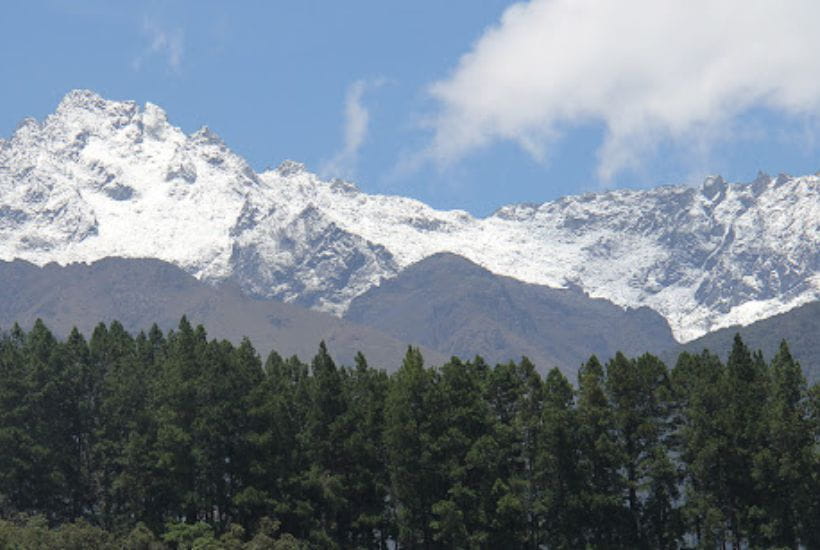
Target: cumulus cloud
162, 42
647, 70
357, 118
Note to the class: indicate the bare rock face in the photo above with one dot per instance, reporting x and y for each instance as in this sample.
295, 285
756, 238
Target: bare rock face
102, 178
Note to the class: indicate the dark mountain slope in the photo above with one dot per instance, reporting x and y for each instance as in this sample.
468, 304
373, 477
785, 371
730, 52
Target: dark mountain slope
800, 327
457, 307
140, 292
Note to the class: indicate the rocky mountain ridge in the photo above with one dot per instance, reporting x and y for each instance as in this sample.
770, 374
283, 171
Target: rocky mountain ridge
102, 178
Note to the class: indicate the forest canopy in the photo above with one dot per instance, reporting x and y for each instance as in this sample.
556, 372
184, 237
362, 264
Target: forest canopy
174, 440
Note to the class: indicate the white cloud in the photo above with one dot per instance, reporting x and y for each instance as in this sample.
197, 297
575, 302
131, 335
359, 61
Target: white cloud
649, 70
166, 43
357, 119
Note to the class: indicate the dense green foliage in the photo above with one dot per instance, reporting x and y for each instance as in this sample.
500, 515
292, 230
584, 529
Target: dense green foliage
175, 441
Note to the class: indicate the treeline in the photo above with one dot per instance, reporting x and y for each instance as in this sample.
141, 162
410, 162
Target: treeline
172, 440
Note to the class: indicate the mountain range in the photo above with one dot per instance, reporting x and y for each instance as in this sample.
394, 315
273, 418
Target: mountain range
141, 292
452, 305
444, 304
101, 178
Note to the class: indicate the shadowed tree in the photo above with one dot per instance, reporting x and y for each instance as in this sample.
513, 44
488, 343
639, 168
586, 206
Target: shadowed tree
558, 465
639, 390
782, 465
698, 382
411, 428
601, 460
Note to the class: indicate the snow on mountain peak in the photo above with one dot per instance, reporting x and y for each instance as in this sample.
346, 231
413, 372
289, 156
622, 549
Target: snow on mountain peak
83, 99
108, 178
713, 186
290, 168
206, 136
154, 120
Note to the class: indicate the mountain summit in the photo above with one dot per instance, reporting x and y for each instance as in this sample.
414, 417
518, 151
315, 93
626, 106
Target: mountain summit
101, 178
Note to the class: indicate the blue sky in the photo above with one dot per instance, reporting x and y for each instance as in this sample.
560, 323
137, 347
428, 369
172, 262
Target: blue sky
462, 104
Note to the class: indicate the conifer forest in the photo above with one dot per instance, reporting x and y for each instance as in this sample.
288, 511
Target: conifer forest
172, 440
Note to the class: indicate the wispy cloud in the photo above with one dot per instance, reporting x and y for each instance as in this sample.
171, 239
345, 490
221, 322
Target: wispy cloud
682, 72
164, 43
356, 122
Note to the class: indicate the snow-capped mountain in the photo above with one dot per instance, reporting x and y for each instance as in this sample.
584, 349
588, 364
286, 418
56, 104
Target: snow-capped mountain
103, 178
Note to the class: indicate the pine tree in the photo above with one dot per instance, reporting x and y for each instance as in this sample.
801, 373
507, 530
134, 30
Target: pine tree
53, 420
83, 388
410, 431
366, 479
515, 394
197, 438
278, 414
560, 477
324, 437
467, 456
703, 443
601, 461
811, 528
176, 411
782, 465
120, 398
227, 376
17, 444
745, 388
639, 392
